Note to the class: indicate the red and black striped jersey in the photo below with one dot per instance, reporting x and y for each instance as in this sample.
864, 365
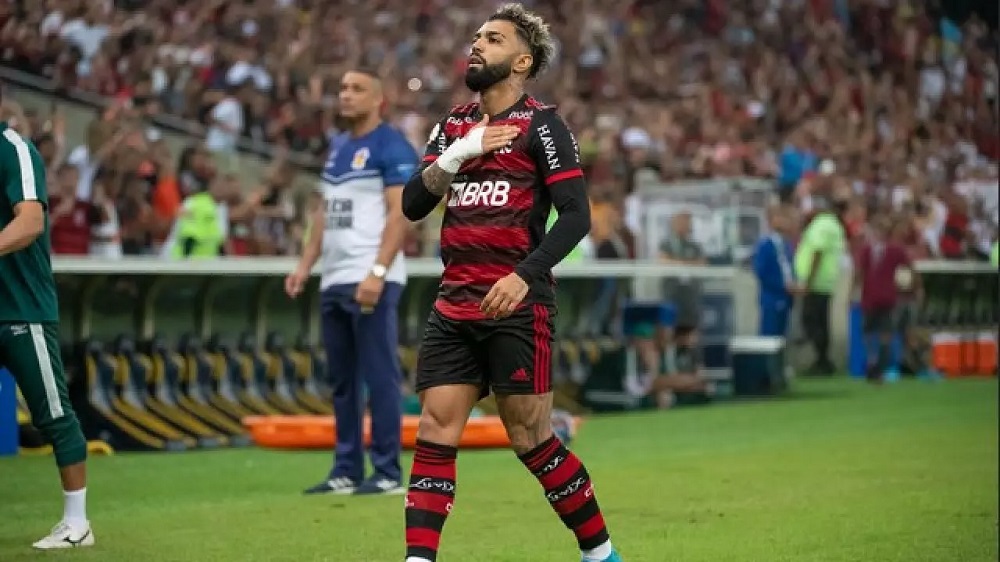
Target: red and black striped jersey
499, 203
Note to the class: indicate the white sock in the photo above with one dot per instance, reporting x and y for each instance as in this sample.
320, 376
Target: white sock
598, 554
75, 507
416, 559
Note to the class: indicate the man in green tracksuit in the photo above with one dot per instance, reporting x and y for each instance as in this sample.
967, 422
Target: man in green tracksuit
29, 328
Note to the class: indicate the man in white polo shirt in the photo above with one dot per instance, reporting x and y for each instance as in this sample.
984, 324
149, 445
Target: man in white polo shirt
363, 275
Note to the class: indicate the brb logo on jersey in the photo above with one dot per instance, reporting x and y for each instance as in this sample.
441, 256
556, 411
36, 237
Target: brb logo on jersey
486, 193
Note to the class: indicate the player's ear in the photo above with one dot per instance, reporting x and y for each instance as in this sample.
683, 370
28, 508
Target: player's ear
522, 64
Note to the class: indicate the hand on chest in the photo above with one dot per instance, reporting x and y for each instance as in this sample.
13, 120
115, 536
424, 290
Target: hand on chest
514, 158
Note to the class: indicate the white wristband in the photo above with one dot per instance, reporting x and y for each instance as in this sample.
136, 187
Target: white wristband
469, 146
449, 162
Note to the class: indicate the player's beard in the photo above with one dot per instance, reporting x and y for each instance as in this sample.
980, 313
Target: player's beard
482, 78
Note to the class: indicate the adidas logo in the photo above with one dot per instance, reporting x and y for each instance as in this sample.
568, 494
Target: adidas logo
519, 375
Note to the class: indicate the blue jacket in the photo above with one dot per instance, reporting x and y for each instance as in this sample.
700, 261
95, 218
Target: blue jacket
772, 264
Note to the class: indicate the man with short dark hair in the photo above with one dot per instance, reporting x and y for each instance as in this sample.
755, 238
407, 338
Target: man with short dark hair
358, 231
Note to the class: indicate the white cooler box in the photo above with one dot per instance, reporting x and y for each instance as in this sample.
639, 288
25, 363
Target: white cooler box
758, 364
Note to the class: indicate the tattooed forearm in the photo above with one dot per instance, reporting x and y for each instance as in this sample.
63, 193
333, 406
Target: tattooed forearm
436, 180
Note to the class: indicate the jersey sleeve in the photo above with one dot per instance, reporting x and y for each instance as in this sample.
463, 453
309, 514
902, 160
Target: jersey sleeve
556, 158
23, 170
555, 150
399, 161
437, 142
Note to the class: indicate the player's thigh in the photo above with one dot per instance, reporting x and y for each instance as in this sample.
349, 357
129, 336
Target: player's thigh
520, 361
450, 380
31, 353
519, 352
447, 356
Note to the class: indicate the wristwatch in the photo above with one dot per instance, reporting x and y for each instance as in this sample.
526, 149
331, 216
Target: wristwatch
378, 270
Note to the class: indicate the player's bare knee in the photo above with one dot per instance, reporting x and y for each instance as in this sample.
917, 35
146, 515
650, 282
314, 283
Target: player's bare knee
442, 420
527, 419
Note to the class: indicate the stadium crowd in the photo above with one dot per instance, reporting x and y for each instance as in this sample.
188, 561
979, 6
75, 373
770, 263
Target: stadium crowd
889, 103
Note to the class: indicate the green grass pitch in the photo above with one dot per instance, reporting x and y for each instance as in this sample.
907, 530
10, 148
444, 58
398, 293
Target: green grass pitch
839, 472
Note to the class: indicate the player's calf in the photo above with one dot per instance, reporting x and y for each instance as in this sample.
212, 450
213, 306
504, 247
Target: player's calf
431, 492
39, 375
70, 450
565, 480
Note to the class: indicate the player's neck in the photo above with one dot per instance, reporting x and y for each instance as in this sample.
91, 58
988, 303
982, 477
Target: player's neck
499, 98
364, 126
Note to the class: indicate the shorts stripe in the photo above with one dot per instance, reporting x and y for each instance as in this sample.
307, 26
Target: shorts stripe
543, 361
45, 368
28, 191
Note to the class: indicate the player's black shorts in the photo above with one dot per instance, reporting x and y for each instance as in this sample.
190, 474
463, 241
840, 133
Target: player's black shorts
511, 355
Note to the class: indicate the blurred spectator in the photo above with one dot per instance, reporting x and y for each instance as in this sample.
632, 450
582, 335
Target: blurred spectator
955, 236
70, 217
776, 281
880, 96
819, 261
272, 221
225, 123
884, 268
680, 248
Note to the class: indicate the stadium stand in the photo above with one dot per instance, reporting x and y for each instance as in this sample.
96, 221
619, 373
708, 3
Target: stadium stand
894, 103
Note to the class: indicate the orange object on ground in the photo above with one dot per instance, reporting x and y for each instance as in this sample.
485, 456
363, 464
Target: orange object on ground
987, 354
970, 353
946, 351
319, 432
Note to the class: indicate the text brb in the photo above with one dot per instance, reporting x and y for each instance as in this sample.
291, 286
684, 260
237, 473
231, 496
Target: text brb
479, 194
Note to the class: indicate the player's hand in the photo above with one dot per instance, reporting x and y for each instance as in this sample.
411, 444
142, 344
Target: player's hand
504, 296
482, 138
368, 293
296, 282
494, 137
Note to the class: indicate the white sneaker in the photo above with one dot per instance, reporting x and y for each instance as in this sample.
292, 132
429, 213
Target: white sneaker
376, 486
66, 535
333, 486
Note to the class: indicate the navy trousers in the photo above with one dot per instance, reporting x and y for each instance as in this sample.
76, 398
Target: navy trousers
361, 351
774, 313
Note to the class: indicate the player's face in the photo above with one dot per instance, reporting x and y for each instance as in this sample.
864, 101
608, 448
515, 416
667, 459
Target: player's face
496, 53
360, 96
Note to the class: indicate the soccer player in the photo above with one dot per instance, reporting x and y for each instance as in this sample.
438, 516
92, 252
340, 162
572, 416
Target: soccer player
363, 274
29, 329
503, 162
